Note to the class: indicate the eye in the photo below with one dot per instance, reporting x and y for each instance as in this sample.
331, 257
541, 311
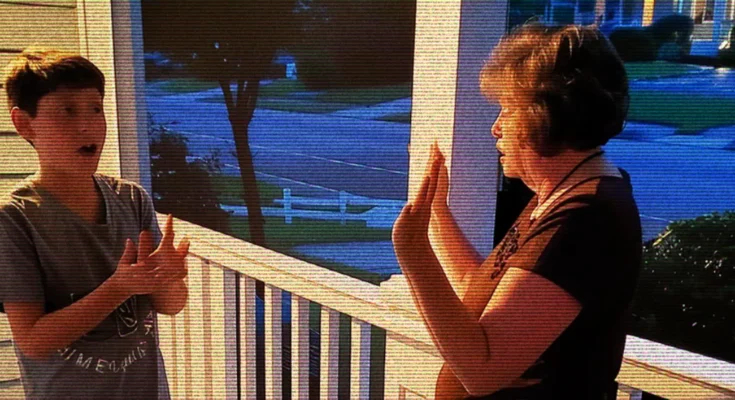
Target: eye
97, 110
69, 110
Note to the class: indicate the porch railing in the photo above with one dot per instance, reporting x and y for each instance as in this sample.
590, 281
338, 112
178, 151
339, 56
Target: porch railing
210, 347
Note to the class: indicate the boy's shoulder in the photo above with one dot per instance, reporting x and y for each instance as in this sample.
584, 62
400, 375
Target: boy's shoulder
121, 186
23, 196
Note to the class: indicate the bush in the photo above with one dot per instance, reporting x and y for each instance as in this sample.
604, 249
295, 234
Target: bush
180, 187
686, 292
634, 44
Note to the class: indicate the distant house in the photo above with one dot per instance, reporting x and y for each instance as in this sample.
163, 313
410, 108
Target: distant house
286, 61
713, 18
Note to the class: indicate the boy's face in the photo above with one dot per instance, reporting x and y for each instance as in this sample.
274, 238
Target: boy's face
68, 131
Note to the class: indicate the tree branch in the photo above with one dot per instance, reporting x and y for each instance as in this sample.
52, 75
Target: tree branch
240, 90
229, 102
251, 93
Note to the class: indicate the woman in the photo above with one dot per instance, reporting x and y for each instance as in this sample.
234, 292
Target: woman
543, 316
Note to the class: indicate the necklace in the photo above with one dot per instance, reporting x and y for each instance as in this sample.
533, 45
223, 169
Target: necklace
558, 185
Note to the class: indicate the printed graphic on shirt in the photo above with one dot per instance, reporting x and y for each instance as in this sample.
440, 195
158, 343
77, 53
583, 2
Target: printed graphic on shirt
127, 322
100, 365
126, 316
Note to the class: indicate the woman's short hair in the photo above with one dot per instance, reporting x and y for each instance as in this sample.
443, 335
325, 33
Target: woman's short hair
566, 84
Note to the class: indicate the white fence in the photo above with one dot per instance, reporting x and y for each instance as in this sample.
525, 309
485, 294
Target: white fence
382, 214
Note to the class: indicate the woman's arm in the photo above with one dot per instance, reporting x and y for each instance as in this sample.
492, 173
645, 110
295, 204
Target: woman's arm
455, 253
524, 316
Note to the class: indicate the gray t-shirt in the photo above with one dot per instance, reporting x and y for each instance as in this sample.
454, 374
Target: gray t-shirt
49, 254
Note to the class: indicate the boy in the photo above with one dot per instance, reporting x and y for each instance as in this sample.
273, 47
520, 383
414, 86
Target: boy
81, 299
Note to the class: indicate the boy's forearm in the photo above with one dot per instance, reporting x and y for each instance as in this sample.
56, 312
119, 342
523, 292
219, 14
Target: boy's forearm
171, 299
53, 331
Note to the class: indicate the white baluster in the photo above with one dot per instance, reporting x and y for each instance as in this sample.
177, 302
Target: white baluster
195, 330
182, 332
299, 348
628, 393
247, 338
329, 369
360, 365
229, 301
273, 343
167, 344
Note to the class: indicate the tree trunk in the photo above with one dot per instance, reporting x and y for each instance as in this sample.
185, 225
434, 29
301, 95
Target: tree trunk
241, 113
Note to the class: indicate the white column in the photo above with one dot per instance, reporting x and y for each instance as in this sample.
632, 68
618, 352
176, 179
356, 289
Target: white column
453, 40
329, 368
360, 365
299, 348
273, 343
96, 44
247, 338
132, 117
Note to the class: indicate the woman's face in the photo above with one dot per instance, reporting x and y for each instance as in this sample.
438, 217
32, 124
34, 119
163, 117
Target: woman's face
516, 157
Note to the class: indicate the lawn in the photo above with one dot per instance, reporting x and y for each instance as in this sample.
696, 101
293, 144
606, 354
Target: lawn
659, 69
231, 192
404, 118
288, 95
291, 105
366, 96
282, 237
690, 113
185, 85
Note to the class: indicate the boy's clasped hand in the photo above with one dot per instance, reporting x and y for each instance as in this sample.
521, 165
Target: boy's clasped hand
143, 271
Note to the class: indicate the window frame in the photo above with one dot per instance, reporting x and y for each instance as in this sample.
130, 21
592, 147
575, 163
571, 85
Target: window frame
452, 41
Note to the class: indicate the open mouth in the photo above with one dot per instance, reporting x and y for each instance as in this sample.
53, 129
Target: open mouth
88, 150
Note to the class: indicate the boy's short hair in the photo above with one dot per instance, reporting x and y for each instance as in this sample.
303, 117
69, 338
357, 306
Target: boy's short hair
37, 72
568, 82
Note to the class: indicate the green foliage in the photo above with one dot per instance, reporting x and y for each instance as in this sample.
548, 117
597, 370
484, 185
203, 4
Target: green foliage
283, 237
355, 43
691, 113
229, 190
181, 187
634, 44
686, 292
659, 69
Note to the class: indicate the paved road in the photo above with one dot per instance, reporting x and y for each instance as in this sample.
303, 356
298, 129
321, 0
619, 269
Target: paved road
364, 157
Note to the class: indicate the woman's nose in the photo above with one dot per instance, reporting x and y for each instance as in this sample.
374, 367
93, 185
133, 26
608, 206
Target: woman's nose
497, 130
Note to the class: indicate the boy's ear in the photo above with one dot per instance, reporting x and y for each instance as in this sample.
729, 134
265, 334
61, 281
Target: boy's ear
22, 122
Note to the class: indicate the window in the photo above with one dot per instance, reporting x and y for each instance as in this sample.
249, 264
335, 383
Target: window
327, 137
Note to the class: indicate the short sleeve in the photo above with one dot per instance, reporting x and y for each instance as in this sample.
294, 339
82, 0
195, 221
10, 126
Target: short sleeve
20, 274
580, 256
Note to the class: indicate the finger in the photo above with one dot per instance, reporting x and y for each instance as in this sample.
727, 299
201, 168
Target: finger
128, 256
438, 150
431, 193
423, 189
427, 169
143, 267
168, 231
431, 186
183, 248
442, 182
145, 245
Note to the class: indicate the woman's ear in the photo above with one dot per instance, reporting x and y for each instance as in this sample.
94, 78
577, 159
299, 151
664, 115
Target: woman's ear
22, 122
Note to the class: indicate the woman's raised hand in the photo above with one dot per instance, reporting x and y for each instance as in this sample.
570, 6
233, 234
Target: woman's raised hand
412, 226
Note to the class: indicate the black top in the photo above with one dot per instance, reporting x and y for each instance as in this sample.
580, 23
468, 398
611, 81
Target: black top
588, 242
